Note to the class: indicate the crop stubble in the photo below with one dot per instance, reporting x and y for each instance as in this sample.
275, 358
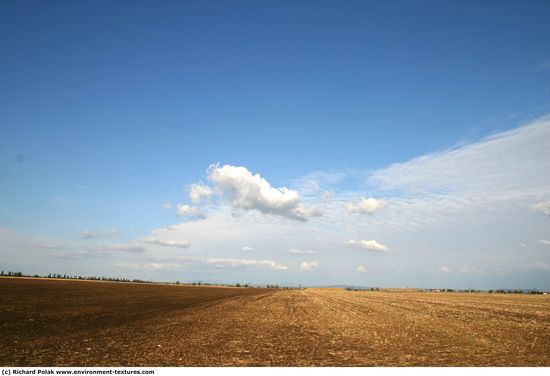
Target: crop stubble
79, 323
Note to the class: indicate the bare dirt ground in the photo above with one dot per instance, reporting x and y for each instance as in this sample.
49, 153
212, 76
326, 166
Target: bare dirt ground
68, 323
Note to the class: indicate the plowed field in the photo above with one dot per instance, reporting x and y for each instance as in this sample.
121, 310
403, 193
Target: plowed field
70, 323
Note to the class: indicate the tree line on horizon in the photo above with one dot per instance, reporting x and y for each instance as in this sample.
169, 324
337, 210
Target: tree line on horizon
111, 279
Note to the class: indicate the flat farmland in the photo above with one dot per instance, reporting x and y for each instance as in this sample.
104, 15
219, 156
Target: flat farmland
80, 323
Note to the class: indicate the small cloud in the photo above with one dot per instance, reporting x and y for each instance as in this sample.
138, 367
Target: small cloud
185, 209
247, 249
112, 232
522, 245
365, 206
445, 269
542, 208
199, 191
309, 266
161, 266
150, 266
544, 242
167, 243
87, 234
361, 269
167, 205
295, 251
372, 245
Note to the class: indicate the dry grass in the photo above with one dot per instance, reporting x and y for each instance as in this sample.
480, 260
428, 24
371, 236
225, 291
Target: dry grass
64, 323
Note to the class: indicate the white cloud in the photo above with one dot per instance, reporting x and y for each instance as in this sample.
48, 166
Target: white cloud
544, 242
247, 248
154, 266
199, 191
361, 269
231, 262
247, 191
112, 232
295, 251
214, 262
126, 247
542, 208
501, 165
372, 245
522, 245
304, 213
66, 255
161, 266
87, 234
99, 251
484, 189
445, 269
168, 243
167, 205
184, 209
309, 266
365, 206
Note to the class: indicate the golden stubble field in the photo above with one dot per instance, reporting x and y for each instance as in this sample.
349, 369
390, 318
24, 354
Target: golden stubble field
79, 323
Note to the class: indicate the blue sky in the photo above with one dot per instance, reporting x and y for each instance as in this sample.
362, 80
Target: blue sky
117, 108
